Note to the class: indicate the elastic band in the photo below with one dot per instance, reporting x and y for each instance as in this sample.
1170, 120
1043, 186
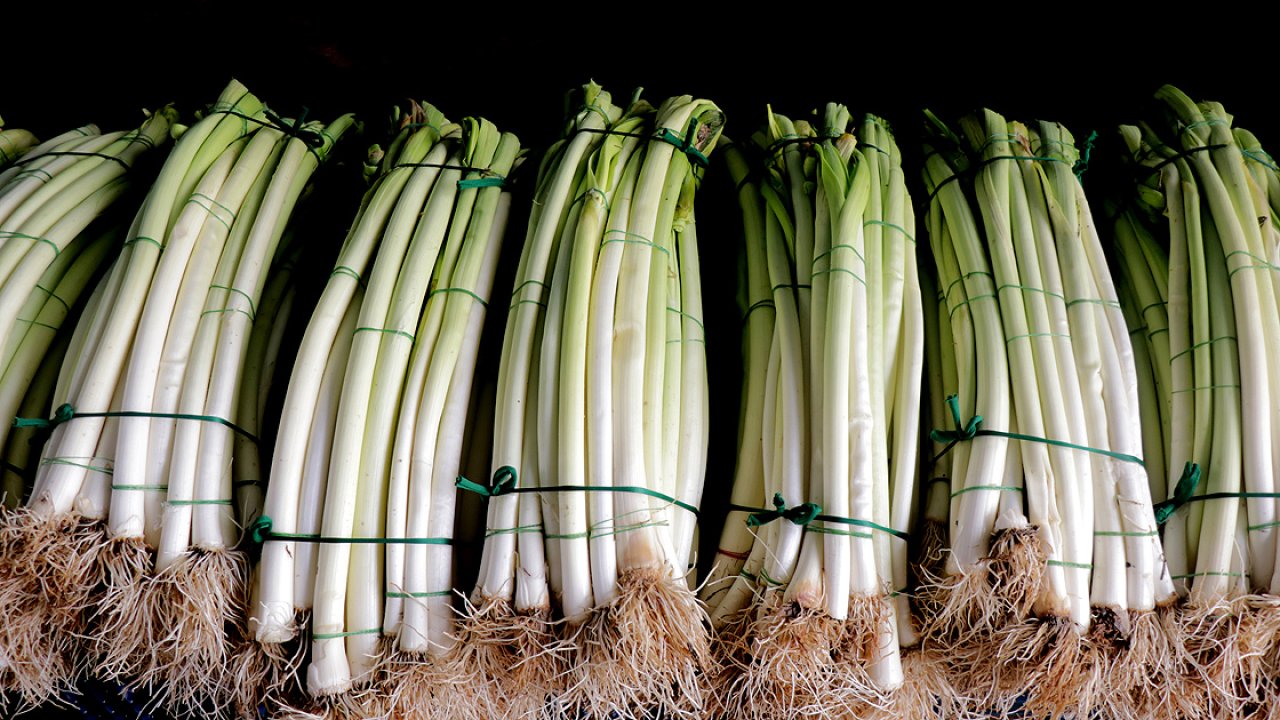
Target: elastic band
348, 271
684, 145
851, 274
236, 291
632, 239
1072, 565
1181, 156
517, 530
142, 488
973, 169
1261, 264
732, 554
52, 296
839, 246
1095, 301
313, 139
1264, 526
261, 532
515, 291
418, 595
862, 524
143, 239
973, 299
1201, 344
1236, 495
972, 430
20, 472
193, 201
890, 225
686, 315
1119, 533
965, 276
72, 153
994, 488
386, 331
518, 303
505, 479
1153, 305
1035, 335
1204, 387
463, 291
184, 503
1028, 288
349, 633
594, 531
68, 461
1206, 574
1261, 157
10, 235
801, 514
756, 306
792, 286
67, 412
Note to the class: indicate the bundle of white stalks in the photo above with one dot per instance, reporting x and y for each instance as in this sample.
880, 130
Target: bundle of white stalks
1063, 607
1200, 250
359, 513
810, 598
599, 443
49, 548
142, 431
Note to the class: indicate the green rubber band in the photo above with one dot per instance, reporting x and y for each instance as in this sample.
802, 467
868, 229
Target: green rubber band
218, 311
212, 214
144, 239
1204, 123
1264, 526
463, 291
687, 316
833, 531
261, 532
184, 503
1094, 301
756, 306
386, 331
517, 530
142, 488
685, 144
1234, 496
68, 462
632, 239
30, 172
236, 291
595, 532
1062, 443
349, 633
864, 524
1183, 491
1261, 157
976, 273
1028, 288
975, 298
1201, 344
792, 286
35, 323
418, 595
1161, 303
1119, 533
348, 271
51, 294
764, 577
1033, 335
1137, 330
1204, 387
526, 283
997, 488
1073, 565
1154, 333
890, 225
491, 180
686, 340
505, 480
839, 246
539, 303
9, 235
851, 273
66, 412
1207, 574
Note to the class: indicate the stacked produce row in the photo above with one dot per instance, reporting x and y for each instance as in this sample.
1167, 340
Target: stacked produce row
1013, 456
